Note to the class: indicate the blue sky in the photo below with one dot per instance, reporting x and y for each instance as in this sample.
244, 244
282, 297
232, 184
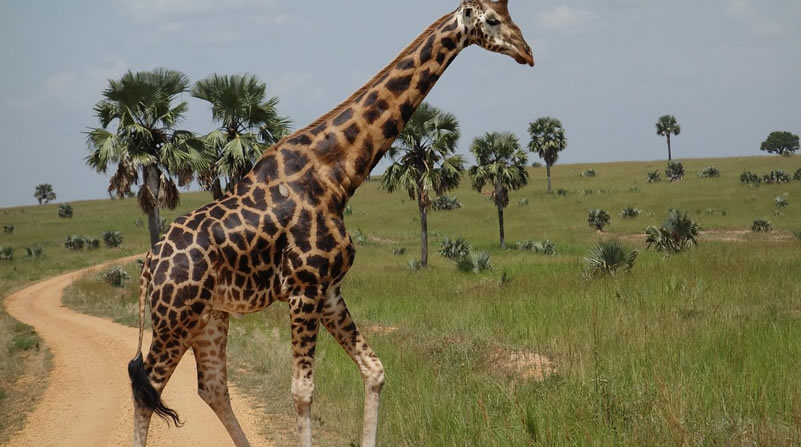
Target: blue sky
728, 69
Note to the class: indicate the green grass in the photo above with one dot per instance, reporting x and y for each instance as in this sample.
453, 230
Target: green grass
702, 348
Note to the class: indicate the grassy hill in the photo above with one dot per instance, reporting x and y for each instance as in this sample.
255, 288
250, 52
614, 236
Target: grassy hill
702, 348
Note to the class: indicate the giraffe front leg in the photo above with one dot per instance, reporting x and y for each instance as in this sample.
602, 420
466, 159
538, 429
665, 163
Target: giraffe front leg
339, 323
305, 323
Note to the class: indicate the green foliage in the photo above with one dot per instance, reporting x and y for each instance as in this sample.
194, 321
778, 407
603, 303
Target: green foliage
44, 193
677, 233
781, 143
523, 201
33, 252
781, 202
359, 237
710, 172
776, 176
674, 170
666, 126
77, 242
112, 239
475, 263
500, 163
414, 265
65, 211
6, 253
545, 247
598, 219
547, 140
116, 276
749, 177
797, 175
536, 164
445, 203
348, 211
588, 173
562, 192
654, 177
398, 251
8, 228
164, 225
609, 257
629, 212
454, 249
761, 225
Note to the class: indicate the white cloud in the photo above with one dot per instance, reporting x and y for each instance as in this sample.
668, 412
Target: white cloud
568, 19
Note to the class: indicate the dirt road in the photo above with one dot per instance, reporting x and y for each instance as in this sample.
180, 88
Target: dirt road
88, 399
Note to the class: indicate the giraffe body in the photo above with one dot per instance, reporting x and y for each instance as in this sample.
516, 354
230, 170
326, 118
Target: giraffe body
280, 235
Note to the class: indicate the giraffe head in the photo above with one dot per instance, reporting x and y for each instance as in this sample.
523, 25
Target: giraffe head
489, 25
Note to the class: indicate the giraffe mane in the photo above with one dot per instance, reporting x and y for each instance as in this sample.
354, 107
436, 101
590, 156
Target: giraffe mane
410, 49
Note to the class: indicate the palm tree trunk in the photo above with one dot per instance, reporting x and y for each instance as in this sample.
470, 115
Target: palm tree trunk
423, 228
548, 169
670, 156
500, 226
151, 178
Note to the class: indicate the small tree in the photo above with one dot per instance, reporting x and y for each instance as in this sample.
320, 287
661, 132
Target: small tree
667, 126
781, 143
674, 170
65, 211
654, 177
609, 257
44, 193
677, 233
501, 163
547, 140
710, 172
598, 219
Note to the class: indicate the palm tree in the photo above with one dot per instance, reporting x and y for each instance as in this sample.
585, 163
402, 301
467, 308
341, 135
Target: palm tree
667, 126
249, 125
547, 140
500, 162
138, 132
44, 193
424, 163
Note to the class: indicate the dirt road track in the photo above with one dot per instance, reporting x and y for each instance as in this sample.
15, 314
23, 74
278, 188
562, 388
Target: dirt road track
88, 399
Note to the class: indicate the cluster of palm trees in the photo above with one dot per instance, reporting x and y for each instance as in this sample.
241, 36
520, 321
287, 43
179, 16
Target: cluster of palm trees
425, 163
139, 131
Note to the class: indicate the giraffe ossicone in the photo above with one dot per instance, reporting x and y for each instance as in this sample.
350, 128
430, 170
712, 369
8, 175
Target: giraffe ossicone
280, 235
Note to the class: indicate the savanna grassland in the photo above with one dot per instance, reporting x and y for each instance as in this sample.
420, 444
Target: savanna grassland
700, 348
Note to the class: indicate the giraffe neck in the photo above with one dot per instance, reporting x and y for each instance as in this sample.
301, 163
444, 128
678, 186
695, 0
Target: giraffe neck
349, 141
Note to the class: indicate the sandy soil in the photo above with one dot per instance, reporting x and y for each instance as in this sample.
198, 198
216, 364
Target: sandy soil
88, 399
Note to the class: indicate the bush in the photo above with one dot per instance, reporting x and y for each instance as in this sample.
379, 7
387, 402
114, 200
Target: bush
359, 237
781, 202
588, 173
562, 192
65, 211
163, 225
674, 170
475, 263
598, 219
116, 276
545, 247
33, 252
776, 176
761, 225
797, 175
454, 249
414, 265
536, 164
749, 178
710, 172
445, 203
8, 228
523, 202
677, 233
74, 242
654, 177
112, 239
797, 234
629, 213
398, 251
6, 254
348, 211
609, 257
92, 243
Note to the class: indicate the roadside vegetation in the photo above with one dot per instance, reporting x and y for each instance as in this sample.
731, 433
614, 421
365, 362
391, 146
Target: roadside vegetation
680, 350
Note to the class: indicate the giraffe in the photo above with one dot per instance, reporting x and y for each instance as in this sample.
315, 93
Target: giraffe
280, 235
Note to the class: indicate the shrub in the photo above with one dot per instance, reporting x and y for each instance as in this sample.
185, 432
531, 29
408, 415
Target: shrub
112, 239
781, 202
116, 276
398, 251
163, 225
776, 176
523, 202
454, 249
797, 234
414, 265
536, 164
749, 178
348, 211
654, 177
674, 170
359, 237
445, 203
761, 225
677, 233
65, 211
588, 173
545, 247
609, 257
33, 252
476, 263
797, 175
710, 172
8, 228
598, 219
74, 242
629, 213
92, 243
562, 192
6, 254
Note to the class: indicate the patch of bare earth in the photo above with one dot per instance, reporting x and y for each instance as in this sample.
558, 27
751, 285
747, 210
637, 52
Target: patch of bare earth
524, 365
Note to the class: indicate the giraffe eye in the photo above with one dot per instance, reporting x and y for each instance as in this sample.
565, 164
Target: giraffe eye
493, 22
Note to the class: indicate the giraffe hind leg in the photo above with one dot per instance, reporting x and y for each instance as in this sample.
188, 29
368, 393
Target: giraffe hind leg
145, 395
212, 382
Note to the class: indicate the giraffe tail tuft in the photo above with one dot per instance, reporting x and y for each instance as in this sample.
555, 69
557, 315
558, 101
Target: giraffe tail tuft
145, 395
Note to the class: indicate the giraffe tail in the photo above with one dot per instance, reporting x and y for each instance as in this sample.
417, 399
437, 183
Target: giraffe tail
144, 394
